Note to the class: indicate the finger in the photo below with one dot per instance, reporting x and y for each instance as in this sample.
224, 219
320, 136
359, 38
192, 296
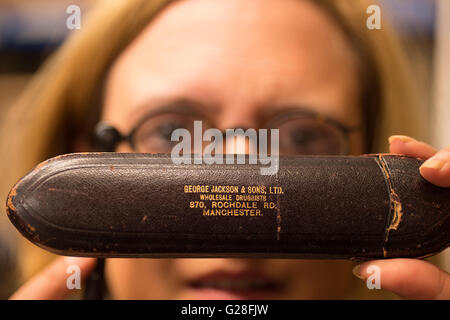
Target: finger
410, 147
408, 278
437, 169
51, 283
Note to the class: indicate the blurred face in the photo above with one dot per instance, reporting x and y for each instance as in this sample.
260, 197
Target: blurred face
237, 62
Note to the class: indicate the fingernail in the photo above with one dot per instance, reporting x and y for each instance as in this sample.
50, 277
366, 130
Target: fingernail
399, 137
357, 272
433, 164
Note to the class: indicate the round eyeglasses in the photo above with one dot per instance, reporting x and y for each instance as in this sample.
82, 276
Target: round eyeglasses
301, 132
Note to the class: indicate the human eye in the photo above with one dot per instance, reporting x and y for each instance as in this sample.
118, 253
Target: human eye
304, 136
154, 134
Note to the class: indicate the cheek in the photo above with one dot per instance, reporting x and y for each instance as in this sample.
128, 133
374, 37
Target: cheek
139, 278
315, 279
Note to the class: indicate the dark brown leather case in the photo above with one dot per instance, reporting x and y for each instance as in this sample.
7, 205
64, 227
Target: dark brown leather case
143, 205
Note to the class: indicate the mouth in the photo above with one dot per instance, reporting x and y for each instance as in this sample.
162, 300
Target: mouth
234, 286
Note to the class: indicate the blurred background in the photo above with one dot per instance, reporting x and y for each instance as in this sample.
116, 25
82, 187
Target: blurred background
30, 30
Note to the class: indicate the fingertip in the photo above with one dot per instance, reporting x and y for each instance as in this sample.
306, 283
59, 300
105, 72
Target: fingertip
400, 138
408, 278
438, 177
357, 272
396, 143
397, 146
404, 145
364, 270
437, 169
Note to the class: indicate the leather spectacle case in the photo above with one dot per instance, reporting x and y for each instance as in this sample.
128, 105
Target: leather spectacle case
315, 207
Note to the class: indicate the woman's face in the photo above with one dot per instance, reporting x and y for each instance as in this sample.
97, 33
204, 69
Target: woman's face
235, 60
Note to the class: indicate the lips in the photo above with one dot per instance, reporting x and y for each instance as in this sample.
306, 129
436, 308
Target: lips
233, 285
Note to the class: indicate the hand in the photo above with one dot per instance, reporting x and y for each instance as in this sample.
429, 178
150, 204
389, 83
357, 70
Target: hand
410, 278
51, 283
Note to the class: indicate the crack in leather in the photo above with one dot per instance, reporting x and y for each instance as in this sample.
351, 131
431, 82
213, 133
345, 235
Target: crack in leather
395, 212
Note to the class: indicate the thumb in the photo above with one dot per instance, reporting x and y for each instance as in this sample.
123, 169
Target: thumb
408, 278
51, 283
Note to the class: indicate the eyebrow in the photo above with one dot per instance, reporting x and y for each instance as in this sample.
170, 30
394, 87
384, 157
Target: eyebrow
179, 105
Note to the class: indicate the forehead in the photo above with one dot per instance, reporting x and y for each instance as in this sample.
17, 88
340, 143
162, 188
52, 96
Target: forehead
239, 51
